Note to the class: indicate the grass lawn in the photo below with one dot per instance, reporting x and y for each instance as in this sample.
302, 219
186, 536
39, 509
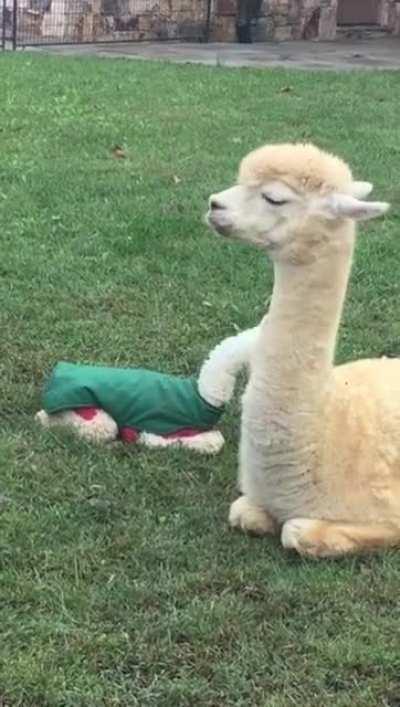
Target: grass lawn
120, 581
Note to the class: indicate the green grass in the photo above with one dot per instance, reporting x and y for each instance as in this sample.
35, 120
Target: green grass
120, 582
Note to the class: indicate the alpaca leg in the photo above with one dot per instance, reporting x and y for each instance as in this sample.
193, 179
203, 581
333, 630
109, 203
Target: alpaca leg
248, 512
218, 373
210, 442
250, 518
319, 538
97, 426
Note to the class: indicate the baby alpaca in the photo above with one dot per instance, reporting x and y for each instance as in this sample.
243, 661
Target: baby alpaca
320, 445
151, 408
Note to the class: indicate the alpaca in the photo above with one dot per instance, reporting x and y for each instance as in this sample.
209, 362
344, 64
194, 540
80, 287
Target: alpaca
320, 445
215, 387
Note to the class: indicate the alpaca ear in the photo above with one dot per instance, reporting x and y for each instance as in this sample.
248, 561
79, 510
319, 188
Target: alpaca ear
360, 190
337, 206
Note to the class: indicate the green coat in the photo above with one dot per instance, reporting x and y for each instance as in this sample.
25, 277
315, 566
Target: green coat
144, 400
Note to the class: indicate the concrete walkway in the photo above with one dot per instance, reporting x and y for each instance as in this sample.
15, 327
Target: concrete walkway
382, 53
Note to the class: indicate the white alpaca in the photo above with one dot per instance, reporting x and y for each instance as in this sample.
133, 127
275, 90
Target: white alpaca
216, 384
320, 446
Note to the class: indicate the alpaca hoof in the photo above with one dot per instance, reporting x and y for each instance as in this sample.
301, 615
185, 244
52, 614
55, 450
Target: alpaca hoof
43, 418
315, 538
308, 537
250, 518
293, 532
206, 443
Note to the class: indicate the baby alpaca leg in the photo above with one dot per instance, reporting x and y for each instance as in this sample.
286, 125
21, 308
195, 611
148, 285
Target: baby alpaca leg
250, 518
210, 442
319, 538
92, 424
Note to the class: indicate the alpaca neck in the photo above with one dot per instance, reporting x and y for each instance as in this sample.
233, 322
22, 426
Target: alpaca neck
283, 409
297, 342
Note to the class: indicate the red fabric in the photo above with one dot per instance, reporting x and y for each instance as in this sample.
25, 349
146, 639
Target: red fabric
129, 435
87, 413
186, 432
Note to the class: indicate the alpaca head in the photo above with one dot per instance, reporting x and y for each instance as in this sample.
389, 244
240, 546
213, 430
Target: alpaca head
282, 191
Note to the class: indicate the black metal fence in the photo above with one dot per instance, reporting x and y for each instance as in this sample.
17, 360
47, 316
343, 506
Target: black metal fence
44, 22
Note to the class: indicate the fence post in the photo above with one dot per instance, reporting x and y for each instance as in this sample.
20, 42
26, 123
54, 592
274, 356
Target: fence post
14, 23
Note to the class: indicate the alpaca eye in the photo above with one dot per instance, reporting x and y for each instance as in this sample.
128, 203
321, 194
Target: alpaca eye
274, 202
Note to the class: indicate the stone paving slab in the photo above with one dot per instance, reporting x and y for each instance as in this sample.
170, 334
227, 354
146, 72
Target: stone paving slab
382, 53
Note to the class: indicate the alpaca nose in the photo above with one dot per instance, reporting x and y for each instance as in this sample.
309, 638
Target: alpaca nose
215, 204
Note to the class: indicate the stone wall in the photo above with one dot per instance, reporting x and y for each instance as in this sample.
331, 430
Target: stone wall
294, 19
280, 20
105, 20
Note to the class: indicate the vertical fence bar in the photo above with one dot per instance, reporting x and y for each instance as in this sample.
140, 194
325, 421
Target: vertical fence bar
208, 21
3, 25
14, 24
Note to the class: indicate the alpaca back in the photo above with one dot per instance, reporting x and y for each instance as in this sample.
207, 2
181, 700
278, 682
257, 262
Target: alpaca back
360, 442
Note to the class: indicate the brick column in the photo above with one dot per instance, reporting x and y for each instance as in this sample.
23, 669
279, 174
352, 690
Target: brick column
389, 16
327, 20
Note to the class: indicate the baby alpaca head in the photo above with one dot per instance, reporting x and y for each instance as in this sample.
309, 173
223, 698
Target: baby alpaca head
281, 191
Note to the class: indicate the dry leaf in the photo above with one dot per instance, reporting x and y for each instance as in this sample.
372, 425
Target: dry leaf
118, 152
286, 89
177, 180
